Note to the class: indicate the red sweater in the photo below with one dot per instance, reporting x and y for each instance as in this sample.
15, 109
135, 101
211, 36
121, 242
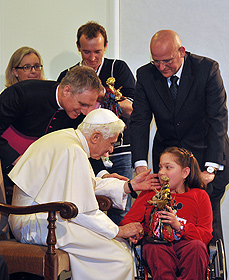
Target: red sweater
194, 207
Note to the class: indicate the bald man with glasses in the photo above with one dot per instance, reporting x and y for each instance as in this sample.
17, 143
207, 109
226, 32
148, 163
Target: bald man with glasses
186, 96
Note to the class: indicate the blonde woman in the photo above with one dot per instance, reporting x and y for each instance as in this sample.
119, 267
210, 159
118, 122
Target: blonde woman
25, 63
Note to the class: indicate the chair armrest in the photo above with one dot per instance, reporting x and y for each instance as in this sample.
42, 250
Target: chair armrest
105, 203
68, 210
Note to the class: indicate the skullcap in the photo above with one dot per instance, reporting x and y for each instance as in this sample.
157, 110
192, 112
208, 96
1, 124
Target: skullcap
100, 116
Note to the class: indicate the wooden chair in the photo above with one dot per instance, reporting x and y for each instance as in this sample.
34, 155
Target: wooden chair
44, 261
39, 260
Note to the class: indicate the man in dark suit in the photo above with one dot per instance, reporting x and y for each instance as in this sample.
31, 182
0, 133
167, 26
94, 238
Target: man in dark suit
34, 108
190, 113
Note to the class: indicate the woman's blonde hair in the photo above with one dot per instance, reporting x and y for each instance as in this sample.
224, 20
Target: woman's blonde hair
15, 60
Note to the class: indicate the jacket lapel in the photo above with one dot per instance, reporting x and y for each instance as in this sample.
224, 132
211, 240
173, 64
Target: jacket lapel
185, 84
163, 90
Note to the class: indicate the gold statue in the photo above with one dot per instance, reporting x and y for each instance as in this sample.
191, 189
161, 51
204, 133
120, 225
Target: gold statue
159, 231
110, 82
162, 197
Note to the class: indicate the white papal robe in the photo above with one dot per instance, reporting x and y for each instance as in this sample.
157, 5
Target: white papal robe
56, 168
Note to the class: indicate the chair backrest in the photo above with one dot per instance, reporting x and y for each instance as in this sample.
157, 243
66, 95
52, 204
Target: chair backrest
4, 228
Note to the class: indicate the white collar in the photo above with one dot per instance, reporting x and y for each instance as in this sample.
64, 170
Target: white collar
57, 101
99, 68
83, 142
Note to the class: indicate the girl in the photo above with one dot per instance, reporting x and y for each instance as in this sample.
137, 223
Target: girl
186, 257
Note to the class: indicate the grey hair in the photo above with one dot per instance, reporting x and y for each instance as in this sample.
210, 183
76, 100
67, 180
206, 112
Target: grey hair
81, 78
107, 130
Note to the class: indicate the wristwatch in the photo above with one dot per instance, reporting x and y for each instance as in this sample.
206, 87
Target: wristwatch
133, 193
211, 169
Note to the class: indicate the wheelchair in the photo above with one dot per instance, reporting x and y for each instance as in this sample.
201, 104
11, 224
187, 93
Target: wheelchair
216, 268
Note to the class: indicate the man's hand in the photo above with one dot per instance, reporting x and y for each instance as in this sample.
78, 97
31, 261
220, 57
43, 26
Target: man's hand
207, 177
143, 182
141, 169
126, 107
115, 175
155, 181
133, 231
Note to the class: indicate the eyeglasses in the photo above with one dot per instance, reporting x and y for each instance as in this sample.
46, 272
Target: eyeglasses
28, 67
164, 62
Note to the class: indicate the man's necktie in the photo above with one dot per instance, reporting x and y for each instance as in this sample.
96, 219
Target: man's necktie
173, 88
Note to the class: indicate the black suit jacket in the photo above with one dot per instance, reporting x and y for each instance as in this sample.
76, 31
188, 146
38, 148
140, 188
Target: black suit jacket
31, 108
198, 121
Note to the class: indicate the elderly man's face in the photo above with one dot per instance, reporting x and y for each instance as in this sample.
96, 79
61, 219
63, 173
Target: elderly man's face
102, 147
92, 50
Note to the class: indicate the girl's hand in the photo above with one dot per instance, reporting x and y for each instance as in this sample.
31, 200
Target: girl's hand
169, 217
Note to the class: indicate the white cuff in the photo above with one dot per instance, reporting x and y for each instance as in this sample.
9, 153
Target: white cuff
215, 165
140, 163
101, 173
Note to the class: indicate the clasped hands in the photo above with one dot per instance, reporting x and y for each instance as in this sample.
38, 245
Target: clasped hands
142, 182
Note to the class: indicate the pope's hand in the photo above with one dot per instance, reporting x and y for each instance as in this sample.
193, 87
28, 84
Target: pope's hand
145, 181
133, 231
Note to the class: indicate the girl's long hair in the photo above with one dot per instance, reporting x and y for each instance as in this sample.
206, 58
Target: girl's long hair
185, 158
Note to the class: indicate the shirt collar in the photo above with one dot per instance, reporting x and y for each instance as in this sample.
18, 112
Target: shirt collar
178, 74
57, 101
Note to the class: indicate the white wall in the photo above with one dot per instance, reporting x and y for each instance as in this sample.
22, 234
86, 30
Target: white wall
50, 27
203, 28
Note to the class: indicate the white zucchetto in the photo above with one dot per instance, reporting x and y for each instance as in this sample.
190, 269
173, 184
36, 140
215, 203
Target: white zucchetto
100, 116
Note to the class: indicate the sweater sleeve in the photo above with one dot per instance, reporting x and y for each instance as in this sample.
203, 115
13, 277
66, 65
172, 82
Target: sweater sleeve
200, 229
124, 78
137, 210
